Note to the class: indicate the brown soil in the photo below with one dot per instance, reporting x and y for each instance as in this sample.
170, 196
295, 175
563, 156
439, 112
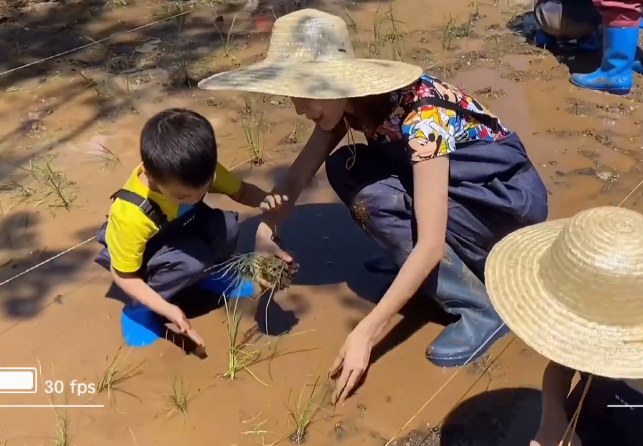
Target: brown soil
69, 139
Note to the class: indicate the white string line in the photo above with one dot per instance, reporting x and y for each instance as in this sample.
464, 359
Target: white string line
47, 261
78, 245
446, 383
95, 42
630, 194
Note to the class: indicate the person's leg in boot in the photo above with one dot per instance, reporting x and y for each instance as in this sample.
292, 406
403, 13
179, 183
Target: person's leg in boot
620, 42
461, 293
388, 219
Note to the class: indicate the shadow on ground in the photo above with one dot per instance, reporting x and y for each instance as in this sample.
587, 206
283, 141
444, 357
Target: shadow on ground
331, 249
503, 417
21, 249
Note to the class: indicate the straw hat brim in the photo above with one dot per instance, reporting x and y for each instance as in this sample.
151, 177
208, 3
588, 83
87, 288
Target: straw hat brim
545, 324
348, 78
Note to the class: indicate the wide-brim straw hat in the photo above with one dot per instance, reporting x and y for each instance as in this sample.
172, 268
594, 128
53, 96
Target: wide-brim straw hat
311, 56
572, 289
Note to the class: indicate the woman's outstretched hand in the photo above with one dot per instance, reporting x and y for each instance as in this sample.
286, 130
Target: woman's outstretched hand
265, 243
352, 362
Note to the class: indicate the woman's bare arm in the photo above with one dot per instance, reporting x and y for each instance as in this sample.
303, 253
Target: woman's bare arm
301, 172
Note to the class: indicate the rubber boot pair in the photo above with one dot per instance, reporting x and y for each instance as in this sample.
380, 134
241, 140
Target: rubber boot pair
615, 74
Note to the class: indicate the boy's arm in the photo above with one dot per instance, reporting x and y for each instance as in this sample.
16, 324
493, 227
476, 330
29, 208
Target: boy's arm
128, 232
249, 194
227, 183
137, 289
300, 173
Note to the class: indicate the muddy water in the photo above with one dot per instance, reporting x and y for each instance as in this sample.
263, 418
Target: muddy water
82, 114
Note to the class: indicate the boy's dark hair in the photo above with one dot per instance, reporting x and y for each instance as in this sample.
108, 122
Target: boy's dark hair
179, 145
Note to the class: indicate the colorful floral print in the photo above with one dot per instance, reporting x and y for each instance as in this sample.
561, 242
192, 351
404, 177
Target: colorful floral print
436, 131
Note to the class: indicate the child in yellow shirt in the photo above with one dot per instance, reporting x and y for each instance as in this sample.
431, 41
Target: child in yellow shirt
160, 237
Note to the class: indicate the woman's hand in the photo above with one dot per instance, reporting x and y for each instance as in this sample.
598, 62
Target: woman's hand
353, 360
265, 243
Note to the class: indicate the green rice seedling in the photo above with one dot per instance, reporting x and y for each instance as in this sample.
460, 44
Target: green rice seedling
395, 36
182, 68
61, 435
375, 46
349, 21
453, 31
227, 39
114, 376
239, 357
45, 182
268, 271
475, 12
180, 397
98, 87
254, 131
297, 134
178, 10
303, 412
103, 154
62, 431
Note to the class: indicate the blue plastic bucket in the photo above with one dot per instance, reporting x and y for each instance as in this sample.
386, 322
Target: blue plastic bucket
140, 326
229, 285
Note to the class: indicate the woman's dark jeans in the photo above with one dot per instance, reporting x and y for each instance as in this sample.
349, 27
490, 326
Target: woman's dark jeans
494, 190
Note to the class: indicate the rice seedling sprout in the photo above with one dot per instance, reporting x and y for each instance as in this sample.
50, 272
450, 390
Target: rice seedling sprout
303, 412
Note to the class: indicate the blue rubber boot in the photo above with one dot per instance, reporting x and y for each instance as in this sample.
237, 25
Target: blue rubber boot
615, 74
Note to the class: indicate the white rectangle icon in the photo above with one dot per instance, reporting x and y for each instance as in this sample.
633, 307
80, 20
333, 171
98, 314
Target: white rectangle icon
18, 380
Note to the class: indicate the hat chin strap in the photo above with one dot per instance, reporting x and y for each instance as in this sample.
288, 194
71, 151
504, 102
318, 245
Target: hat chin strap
571, 427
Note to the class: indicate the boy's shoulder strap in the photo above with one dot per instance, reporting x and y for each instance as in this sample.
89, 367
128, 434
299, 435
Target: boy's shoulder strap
148, 207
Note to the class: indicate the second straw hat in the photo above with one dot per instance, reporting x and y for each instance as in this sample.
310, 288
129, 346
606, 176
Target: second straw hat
572, 289
311, 56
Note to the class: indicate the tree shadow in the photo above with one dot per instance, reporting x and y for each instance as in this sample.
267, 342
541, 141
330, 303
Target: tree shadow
568, 54
503, 417
33, 31
24, 297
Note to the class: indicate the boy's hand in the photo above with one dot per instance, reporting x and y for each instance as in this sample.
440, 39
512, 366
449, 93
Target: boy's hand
273, 202
177, 317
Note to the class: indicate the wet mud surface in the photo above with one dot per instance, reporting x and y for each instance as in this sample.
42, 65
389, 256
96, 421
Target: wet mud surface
69, 139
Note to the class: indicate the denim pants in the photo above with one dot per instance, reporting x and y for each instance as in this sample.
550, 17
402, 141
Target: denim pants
493, 190
178, 256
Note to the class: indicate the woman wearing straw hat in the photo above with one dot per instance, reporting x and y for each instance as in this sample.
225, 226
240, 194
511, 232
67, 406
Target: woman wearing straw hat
572, 289
440, 181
